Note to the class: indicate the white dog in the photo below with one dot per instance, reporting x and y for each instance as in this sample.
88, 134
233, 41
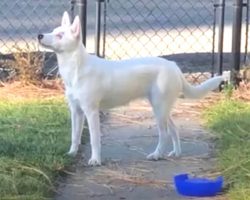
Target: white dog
93, 84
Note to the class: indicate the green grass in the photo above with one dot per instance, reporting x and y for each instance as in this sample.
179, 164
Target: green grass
231, 121
34, 136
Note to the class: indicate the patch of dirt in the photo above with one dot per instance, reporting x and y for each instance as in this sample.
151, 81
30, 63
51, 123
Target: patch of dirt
17, 90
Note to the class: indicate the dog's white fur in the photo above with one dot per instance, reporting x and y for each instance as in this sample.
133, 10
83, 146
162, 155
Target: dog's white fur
93, 84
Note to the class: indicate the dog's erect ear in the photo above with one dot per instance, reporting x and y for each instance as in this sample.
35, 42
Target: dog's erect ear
76, 27
65, 19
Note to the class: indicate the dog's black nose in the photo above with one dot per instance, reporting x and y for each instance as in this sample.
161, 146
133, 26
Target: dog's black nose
40, 36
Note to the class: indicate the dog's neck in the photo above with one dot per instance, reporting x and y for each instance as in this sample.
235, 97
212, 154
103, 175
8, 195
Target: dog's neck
70, 63
75, 58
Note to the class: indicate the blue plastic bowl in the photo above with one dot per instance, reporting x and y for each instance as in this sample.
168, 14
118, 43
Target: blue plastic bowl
197, 187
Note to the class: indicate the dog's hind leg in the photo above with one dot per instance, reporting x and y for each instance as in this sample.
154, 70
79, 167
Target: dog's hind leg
173, 131
161, 108
161, 146
162, 104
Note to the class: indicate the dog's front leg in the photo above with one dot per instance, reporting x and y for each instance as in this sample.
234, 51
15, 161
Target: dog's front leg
77, 124
95, 136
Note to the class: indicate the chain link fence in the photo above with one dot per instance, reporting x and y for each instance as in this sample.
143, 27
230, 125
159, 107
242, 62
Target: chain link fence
20, 22
180, 30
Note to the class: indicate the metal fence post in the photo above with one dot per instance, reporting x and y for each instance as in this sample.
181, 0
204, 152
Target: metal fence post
213, 43
83, 17
221, 36
72, 9
246, 32
98, 27
236, 41
104, 27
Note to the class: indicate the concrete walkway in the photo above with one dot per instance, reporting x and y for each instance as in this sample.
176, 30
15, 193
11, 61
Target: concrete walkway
129, 134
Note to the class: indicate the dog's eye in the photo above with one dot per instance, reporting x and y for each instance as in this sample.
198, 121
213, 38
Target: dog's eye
60, 35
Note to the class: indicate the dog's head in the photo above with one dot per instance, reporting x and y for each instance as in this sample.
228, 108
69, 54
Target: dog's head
63, 38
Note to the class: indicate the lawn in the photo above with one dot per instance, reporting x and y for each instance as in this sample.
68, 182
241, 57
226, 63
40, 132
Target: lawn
230, 120
34, 137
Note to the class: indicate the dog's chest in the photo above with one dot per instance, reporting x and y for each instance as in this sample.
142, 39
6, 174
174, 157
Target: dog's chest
67, 75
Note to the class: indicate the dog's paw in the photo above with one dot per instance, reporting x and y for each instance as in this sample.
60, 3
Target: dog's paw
71, 153
174, 154
154, 156
94, 162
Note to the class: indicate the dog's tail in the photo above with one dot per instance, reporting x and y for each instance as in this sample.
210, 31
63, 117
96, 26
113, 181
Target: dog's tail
196, 92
